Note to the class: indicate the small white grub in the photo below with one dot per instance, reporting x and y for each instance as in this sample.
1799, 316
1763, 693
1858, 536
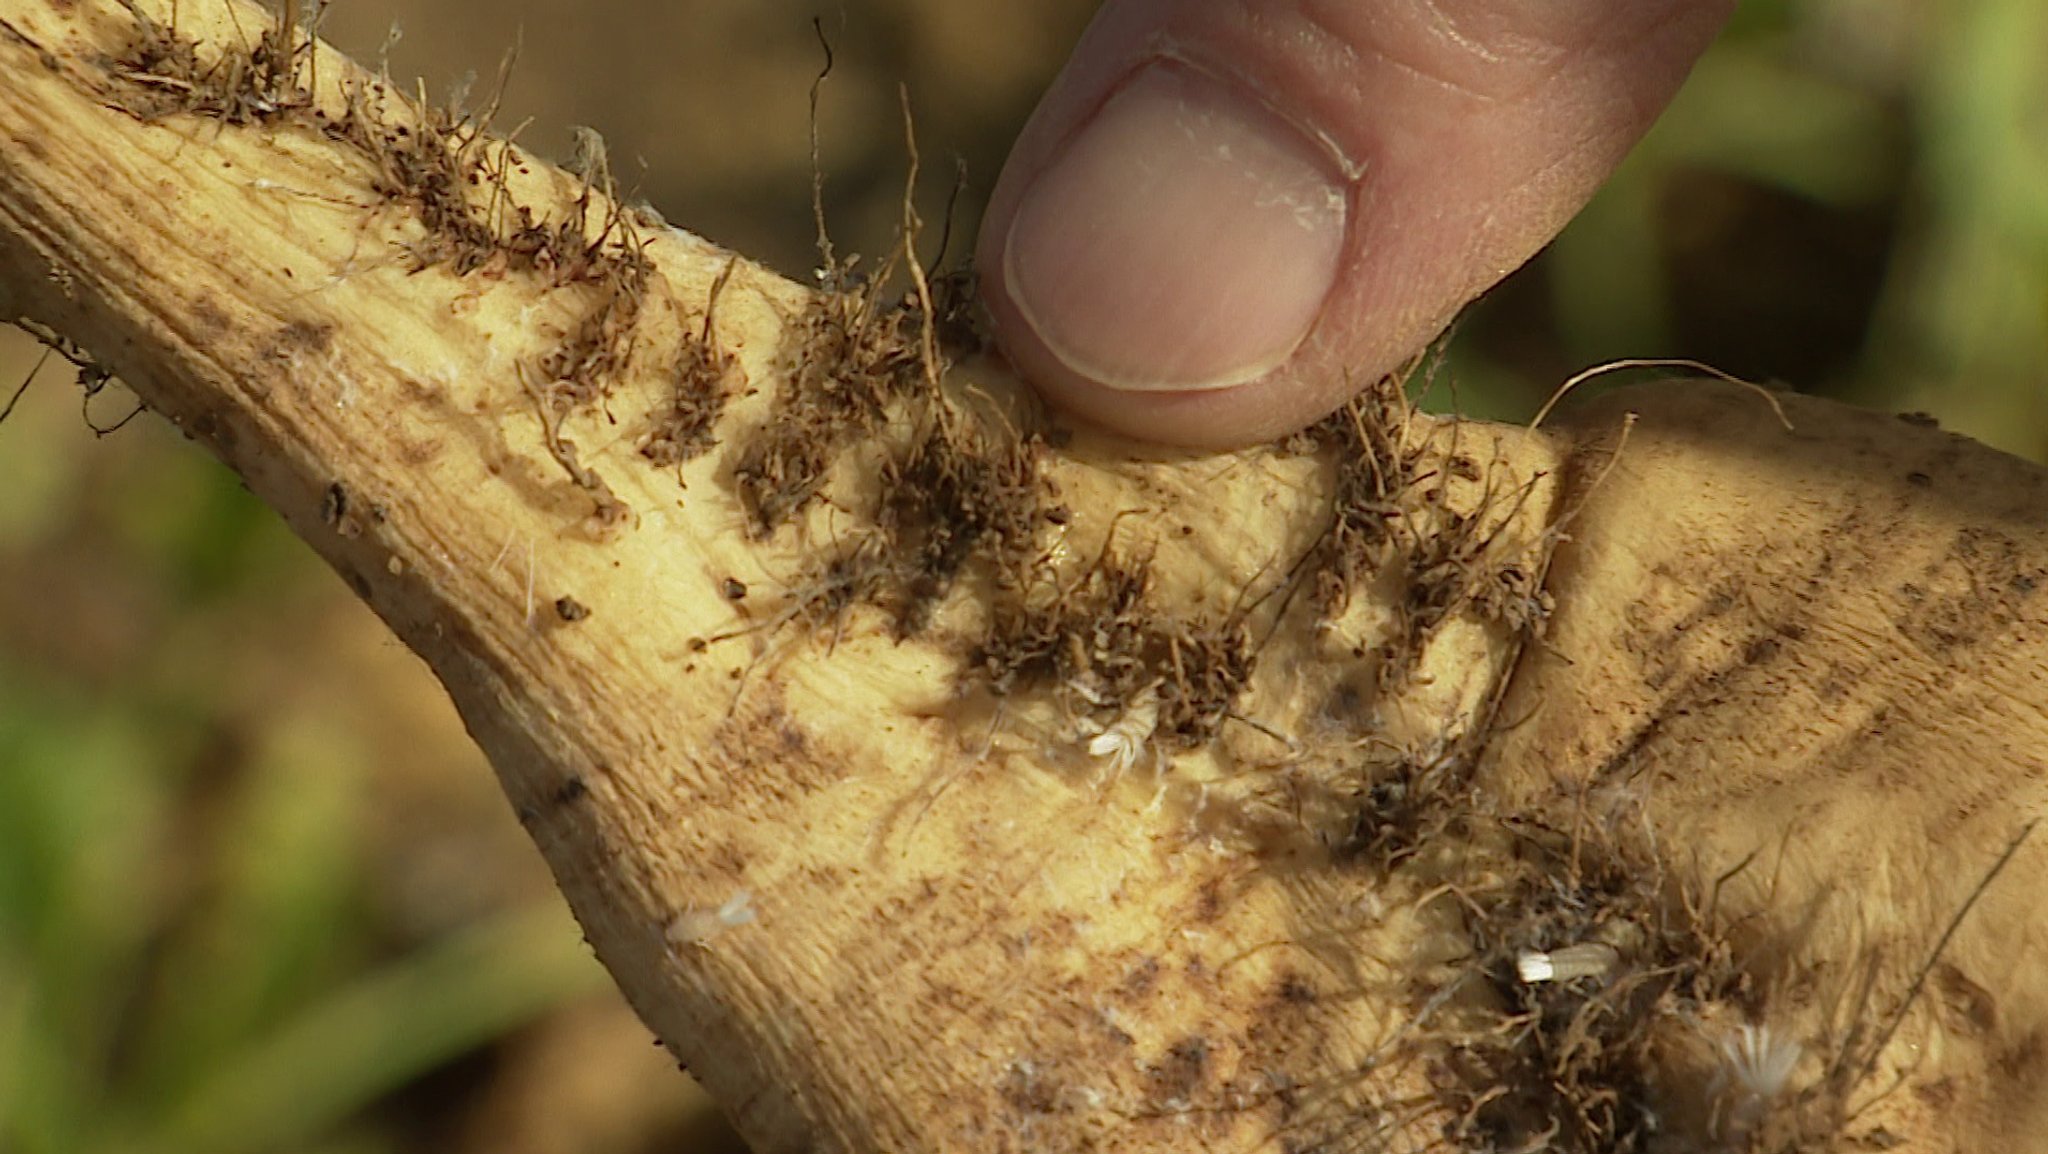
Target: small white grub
1585, 960
1755, 1073
1123, 742
694, 927
1758, 1063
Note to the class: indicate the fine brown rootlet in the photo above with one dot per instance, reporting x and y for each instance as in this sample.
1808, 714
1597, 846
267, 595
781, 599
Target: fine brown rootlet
936, 777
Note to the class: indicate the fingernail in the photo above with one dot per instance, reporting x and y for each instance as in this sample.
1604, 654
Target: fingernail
1183, 239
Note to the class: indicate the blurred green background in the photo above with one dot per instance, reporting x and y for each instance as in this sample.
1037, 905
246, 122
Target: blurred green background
258, 892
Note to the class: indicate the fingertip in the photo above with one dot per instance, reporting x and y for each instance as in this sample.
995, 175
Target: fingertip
1182, 239
1265, 409
1226, 217
1161, 263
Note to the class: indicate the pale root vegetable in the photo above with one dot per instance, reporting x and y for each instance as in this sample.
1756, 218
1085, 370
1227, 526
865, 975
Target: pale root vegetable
934, 779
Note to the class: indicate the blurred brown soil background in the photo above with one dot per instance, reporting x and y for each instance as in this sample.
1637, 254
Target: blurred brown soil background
235, 815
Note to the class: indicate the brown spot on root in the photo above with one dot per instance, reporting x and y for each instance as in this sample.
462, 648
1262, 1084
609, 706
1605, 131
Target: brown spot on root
358, 583
212, 429
2024, 1061
1296, 990
1142, 978
1967, 1007
298, 338
1983, 585
336, 512
1030, 1090
803, 764
1181, 1073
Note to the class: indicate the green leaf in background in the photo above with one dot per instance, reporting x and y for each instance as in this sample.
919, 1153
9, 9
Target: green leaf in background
83, 808
379, 1032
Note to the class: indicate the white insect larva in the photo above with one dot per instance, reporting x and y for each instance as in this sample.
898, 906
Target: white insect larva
695, 927
1122, 742
1585, 960
1758, 1063
1756, 1070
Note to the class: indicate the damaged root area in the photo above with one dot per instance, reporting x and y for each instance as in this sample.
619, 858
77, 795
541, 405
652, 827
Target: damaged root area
1392, 527
1602, 1003
427, 159
952, 488
1109, 654
702, 380
963, 495
1375, 464
1462, 562
1592, 1002
166, 74
439, 164
852, 360
959, 495
608, 265
964, 489
553, 406
1592, 1062
1402, 806
958, 485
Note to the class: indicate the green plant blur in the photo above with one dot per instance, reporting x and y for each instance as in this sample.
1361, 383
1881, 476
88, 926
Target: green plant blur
214, 933
1848, 198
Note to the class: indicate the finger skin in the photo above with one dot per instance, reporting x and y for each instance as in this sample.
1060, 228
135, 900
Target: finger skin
1463, 135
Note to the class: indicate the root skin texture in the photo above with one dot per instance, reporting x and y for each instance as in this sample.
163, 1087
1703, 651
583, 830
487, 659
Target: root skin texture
934, 776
